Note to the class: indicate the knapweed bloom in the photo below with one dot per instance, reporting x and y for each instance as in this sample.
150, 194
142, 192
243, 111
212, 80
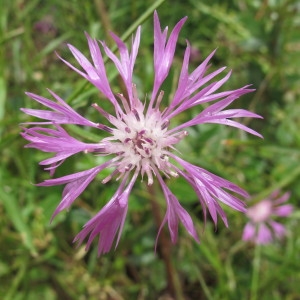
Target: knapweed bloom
261, 228
140, 140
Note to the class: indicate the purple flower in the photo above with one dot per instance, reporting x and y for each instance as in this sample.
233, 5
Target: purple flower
139, 138
261, 228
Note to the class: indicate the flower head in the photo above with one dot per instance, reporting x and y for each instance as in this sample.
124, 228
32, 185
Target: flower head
140, 139
261, 228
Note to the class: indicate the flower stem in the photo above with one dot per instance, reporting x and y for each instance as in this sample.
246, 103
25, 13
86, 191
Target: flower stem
164, 248
104, 17
255, 272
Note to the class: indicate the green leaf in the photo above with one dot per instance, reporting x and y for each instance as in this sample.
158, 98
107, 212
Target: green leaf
2, 97
14, 212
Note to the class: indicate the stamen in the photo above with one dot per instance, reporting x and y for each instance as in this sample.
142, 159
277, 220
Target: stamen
136, 114
180, 135
106, 179
134, 92
149, 141
101, 111
98, 150
124, 102
150, 177
164, 111
159, 98
109, 177
165, 124
147, 168
174, 174
105, 128
164, 157
120, 176
128, 167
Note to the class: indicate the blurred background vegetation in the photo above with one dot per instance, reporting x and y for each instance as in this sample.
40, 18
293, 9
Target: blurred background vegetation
260, 41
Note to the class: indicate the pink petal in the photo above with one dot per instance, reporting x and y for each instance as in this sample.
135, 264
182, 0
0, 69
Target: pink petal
249, 232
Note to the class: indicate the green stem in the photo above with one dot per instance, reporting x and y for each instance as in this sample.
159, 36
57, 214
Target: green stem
11, 291
229, 267
255, 272
103, 15
203, 284
164, 248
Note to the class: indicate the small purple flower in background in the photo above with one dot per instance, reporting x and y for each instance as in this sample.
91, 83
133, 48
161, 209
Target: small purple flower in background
261, 228
140, 139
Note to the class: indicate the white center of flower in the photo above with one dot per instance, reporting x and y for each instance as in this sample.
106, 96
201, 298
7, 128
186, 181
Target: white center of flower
139, 140
142, 142
260, 212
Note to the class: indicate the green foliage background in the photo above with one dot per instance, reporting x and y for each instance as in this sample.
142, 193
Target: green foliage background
260, 41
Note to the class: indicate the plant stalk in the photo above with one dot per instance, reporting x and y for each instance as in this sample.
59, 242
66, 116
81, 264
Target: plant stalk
164, 248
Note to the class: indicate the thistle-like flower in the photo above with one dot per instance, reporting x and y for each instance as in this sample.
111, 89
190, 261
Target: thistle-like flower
261, 228
140, 139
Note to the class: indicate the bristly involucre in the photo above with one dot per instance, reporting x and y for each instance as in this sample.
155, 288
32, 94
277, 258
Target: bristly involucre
140, 140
